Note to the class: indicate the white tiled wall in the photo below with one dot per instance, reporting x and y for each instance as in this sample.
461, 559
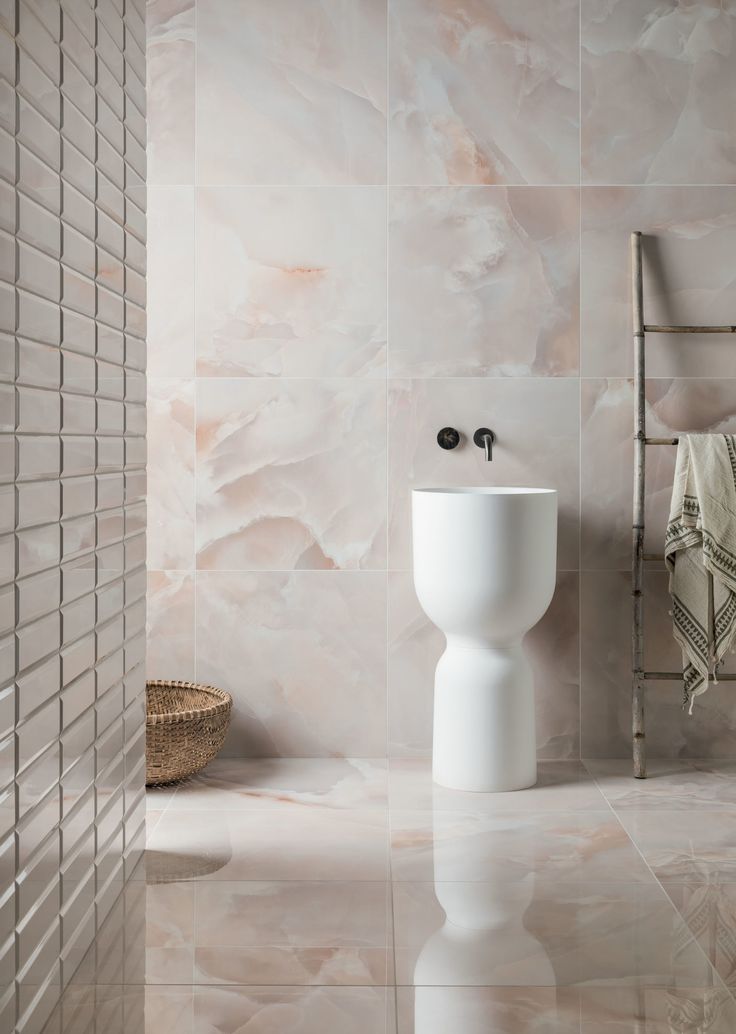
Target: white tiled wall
72, 483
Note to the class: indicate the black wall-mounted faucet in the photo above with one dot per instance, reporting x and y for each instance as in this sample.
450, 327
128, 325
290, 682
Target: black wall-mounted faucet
484, 439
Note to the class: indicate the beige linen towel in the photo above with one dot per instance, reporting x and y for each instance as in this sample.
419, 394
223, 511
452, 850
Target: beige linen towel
701, 538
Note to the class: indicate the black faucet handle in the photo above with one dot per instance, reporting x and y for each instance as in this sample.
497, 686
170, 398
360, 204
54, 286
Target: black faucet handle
448, 438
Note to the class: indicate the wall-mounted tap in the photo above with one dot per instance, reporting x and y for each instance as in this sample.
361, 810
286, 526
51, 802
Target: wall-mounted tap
484, 439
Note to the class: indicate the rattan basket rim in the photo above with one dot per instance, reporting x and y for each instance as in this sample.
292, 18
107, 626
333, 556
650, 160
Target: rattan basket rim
224, 702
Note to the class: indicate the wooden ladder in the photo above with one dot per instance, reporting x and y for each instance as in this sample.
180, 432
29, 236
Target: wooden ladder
639, 676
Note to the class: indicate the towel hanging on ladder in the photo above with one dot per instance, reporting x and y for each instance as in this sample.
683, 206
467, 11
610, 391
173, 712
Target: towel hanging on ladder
700, 553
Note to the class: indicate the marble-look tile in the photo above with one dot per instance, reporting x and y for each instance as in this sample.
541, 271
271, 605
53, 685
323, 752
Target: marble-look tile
269, 783
480, 1010
291, 281
670, 784
656, 79
542, 451
170, 625
689, 240
479, 846
605, 635
416, 645
170, 281
262, 446
546, 934
305, 84
484, 92
562, 786
304, 656
202, 1009
170, 90
656, 1010
685, 846
293, 933
171, 477
291, 843
698, 405
709, 909
483, 281
314, 1010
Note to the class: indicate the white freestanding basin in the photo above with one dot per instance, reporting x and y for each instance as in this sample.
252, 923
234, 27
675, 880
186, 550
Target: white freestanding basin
484, 573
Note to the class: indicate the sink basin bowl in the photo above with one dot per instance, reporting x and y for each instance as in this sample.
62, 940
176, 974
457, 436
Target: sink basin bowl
484, 573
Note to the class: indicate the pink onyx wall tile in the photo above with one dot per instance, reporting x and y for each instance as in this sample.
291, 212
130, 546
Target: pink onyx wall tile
291, 93
673, 406
304, 656
536, 422
170, 625
171, 458
657, 84
170, 33
688, 247
605, 633
484, 281
415, 646
291, 281
291, 474
484, 92
170, 281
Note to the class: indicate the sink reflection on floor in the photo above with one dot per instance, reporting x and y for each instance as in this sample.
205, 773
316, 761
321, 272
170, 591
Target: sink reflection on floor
320, 896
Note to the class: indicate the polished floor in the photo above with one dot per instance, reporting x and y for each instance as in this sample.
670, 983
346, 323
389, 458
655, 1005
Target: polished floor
325, 896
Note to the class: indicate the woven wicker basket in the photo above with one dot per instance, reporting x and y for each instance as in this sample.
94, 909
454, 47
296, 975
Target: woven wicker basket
185, 727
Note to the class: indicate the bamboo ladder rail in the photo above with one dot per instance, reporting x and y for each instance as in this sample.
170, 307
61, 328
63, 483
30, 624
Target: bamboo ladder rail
639, 675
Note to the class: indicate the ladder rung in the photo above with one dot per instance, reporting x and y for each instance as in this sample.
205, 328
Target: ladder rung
655, 328
661, 441
676, 676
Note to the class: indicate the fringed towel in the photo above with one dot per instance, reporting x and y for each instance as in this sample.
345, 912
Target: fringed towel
701, 539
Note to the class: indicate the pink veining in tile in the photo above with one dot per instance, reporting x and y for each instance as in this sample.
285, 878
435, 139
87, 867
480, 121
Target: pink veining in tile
305, 84
541, 452
484, 281
170, 625
416, 646
484, 92
171, 461
170, 281
304, 657
688, 246
257, 783
170, 34
473, 846
656, 84
263, 446
291, 281
293, 933
543, 934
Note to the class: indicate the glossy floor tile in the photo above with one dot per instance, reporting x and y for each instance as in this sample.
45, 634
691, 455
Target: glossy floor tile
330, 895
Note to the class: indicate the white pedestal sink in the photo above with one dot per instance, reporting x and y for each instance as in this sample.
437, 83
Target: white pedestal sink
484, 573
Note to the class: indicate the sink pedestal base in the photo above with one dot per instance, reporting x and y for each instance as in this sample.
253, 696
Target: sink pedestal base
484, 734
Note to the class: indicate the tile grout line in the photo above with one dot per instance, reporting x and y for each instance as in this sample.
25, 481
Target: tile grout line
391, 961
